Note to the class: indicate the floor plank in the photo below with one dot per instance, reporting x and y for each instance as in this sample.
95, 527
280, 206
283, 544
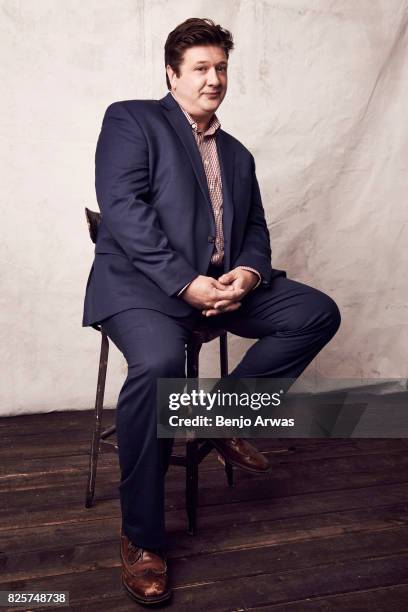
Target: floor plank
325, 529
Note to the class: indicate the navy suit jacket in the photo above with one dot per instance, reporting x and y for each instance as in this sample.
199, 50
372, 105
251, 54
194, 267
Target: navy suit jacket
157, 230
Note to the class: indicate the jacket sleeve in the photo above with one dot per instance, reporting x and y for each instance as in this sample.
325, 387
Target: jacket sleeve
256, 249
123, 194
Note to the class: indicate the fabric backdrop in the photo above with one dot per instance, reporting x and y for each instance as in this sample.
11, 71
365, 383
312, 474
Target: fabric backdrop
318, 91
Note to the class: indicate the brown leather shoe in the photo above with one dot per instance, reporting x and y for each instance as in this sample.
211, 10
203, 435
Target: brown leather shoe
144, 573
241, 453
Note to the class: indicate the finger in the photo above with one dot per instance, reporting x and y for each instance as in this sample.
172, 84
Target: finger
220, 286
232, 296
225, 281
228, 293
226, 278
211, 312
222, 304
231, 307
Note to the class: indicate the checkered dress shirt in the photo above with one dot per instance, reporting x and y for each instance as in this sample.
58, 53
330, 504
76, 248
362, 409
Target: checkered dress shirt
207, 146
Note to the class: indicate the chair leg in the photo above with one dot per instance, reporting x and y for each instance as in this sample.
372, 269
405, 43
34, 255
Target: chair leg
108, 432
100, 392
193, 353
229, 470
191, 485
223, 355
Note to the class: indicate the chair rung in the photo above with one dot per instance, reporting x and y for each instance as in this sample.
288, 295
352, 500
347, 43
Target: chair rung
108, 432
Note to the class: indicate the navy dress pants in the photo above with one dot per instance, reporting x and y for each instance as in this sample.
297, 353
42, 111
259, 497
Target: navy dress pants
292, 322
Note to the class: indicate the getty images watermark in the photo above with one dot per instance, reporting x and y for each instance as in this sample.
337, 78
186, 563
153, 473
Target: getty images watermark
221, 400
219, 408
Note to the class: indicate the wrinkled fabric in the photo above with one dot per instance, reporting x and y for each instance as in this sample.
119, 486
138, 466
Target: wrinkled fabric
318, 91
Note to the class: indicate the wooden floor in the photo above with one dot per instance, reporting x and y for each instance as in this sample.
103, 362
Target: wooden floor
325, 530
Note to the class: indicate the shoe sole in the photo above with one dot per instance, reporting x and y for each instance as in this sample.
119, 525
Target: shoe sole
239, 465
146, 601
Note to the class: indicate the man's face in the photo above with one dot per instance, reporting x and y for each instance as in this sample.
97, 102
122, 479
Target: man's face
202, 84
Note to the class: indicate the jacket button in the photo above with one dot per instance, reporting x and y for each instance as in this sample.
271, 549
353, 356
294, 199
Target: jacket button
211, 239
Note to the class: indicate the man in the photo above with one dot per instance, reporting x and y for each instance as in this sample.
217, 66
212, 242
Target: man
183, 238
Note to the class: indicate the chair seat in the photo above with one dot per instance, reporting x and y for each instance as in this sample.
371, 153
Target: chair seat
205, 333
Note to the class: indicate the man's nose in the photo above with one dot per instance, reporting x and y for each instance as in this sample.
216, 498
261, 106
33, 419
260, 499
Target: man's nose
213, 77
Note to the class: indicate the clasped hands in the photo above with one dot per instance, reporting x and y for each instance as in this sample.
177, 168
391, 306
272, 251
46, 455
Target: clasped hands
214, 297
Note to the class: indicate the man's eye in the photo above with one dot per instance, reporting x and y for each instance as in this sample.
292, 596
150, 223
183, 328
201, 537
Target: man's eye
200, 69
222, 68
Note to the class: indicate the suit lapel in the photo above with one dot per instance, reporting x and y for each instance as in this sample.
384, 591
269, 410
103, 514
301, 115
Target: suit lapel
226, 156
183, 130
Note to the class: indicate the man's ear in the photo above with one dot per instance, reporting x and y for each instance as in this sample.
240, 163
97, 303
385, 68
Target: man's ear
172, 76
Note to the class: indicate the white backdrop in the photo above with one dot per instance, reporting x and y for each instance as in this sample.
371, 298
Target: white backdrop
318, 91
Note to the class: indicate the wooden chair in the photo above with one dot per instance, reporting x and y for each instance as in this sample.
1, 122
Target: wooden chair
196, 449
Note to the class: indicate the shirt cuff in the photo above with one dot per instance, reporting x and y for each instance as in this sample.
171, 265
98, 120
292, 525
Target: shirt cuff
183, 289
255, 272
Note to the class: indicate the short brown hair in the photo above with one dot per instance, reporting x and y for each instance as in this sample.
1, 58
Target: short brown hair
192, 32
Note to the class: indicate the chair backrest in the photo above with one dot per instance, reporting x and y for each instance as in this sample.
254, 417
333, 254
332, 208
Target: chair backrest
93, 220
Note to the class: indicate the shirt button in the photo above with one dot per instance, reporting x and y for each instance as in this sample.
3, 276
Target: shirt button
194, 125
206, 162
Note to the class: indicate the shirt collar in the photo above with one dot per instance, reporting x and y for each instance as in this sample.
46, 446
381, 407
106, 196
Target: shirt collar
212, 128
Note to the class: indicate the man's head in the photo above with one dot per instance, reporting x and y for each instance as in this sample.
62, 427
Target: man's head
196, 59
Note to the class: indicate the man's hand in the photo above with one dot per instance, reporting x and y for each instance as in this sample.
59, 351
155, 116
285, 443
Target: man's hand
241, 282
204, 292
